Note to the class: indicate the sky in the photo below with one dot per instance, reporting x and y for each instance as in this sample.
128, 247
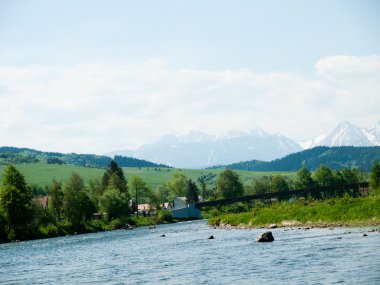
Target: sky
97, 76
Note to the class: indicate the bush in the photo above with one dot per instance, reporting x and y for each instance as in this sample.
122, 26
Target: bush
49, 230
95, 225
165, 217
115, 224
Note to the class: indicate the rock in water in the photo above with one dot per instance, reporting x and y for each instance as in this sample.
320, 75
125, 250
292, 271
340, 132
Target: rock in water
211, 237
265, 237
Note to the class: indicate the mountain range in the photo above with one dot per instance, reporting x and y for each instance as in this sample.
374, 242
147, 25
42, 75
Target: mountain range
200, 150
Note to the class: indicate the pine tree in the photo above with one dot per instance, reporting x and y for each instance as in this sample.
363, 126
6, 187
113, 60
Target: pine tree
192, 193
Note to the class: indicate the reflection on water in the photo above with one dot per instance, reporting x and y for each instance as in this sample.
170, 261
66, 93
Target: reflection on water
187, 256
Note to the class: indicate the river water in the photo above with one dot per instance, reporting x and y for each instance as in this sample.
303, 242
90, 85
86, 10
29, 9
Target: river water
186, 256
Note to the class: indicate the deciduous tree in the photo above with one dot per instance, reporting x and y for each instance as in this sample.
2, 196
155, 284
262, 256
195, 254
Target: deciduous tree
177, 185
55, 203
228, 185
77, 206
374, 179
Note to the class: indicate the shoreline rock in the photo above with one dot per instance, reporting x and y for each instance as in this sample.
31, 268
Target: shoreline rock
296, 225
265, 237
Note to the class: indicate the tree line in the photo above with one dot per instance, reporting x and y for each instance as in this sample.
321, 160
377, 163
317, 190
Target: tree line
72, 204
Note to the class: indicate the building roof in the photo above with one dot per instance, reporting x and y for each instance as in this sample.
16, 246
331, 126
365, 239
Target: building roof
42, 201
145, 207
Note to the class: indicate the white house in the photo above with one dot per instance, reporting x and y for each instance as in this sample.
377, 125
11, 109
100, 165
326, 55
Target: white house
177, 203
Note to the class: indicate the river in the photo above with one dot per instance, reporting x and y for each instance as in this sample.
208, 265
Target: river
186, 256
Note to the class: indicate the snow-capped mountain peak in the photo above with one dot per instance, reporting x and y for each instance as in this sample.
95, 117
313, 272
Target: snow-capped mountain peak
373, 133
197, 149
347, 134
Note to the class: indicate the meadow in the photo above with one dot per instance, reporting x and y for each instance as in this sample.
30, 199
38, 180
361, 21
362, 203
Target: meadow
42, 174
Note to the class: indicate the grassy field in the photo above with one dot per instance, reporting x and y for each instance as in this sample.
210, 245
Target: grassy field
42, 173
347, 211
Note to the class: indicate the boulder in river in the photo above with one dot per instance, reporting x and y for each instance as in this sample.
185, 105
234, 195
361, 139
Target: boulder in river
265, 237
211, 237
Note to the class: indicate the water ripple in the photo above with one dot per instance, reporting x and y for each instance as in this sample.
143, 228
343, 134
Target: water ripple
186, 256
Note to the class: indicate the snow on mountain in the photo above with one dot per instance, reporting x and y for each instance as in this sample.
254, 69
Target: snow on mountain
373, 134
312, 143
347, 134
198, 150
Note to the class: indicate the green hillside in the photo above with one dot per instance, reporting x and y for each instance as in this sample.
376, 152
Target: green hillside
42, 173
334, 157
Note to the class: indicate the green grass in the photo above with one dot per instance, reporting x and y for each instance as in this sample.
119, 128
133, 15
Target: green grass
42, 174
339, 211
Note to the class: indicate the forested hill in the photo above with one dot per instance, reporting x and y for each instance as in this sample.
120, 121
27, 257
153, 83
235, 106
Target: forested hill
14, 155
333, 157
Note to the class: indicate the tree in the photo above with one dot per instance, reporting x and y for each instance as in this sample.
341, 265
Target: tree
351, 177
304, 179
259, 186
55, 199
138, 188
15, 202
228, 185
203, 181
114, 203
112, 169
374, 180
279, 184
324, 177
95, 190
162, 193
192, 193
153, 199
3, 226
77, 206
177, 185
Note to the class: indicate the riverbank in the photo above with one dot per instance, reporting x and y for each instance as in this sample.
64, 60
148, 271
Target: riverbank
338, 212
63, 228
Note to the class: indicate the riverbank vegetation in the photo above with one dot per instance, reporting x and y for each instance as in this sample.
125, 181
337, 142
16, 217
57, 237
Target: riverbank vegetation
109, 201
71, 206
333, 208
347, 211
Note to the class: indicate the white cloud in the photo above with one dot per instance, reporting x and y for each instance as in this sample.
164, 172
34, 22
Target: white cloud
347, 67
102, 107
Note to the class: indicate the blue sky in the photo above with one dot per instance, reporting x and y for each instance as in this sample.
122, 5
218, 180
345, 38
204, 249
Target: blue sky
231, 63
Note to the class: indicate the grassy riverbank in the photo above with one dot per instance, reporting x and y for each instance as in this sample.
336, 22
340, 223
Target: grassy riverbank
347, 211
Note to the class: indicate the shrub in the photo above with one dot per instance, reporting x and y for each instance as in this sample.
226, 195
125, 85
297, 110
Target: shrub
165, 217
49, 230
